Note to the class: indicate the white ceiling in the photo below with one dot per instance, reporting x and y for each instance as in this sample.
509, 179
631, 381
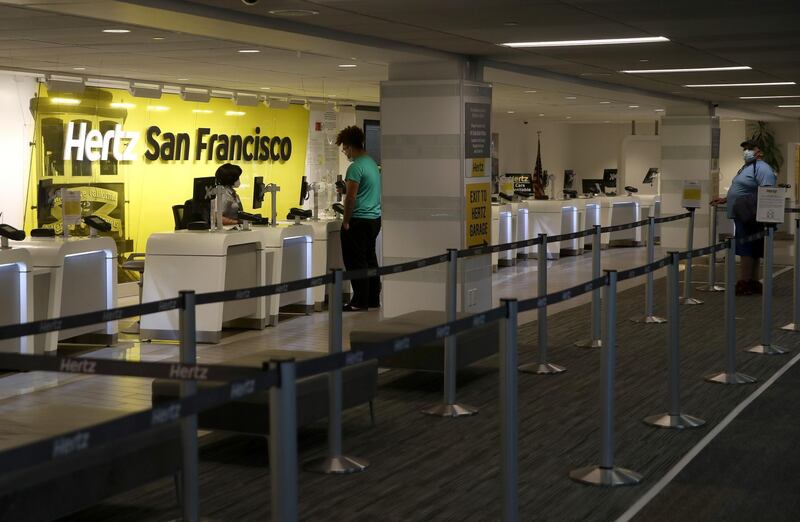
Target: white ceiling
202, 36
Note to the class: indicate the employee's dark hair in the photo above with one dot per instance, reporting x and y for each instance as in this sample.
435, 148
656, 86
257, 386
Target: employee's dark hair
351, 136
227, 174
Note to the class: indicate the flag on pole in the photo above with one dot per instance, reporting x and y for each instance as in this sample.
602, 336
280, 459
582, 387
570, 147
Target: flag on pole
538, 177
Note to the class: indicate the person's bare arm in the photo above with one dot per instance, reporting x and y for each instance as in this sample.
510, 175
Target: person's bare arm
349, 203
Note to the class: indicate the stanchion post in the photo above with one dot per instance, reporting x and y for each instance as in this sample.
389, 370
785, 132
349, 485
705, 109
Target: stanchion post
509, 402
766, 347
283, 442
542, 367
687, 298
730, 375
794, 326
335, 462
595, 341
606, 474
190, 489
712, 260
449, 407
649, 315
674, 418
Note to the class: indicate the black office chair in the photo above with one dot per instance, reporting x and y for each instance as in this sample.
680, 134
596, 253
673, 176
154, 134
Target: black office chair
177, 215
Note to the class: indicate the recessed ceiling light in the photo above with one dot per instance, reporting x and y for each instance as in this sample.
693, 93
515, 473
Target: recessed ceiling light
644, 60
604, 102
235, 113
116, 31
569, 117
633, 106
157, 108
248, 51
79, 68
347, 65
183, 79
331, 96
604, 41
789, 106
265, 88
768, 97
761, 84
65, 101
658, 110
202, 111
159, 38
293, 12
510, 112
510, 24
541, 114
606, 121
123, 105
685, 70
530, 92
570, 97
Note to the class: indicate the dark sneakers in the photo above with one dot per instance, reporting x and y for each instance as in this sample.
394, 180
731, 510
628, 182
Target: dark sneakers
749, 287
756, 287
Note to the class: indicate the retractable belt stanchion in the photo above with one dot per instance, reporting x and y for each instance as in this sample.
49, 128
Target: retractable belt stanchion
687, 298
449, 407
190, 489
766, 347
283, 442
509, 402
606, 474
595, 341
712, 260
730, 375
674, 418
649, 316
542, 367
335, 462
795, 325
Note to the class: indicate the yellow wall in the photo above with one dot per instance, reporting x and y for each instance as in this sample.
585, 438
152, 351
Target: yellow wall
152, 187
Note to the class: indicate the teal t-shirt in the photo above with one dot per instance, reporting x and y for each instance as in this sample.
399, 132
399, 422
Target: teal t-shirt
364, 171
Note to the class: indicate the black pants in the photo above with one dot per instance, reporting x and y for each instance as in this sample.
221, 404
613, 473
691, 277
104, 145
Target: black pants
358, 251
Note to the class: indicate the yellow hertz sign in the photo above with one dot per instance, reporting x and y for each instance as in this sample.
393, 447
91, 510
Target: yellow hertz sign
479, 215
478, 168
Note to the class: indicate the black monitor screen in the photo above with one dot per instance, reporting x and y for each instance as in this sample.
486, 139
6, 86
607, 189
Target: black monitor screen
372, 131
569, 179
651, 173
258, 191
45, 195
303, 190
610, 178
592, 186
202, 188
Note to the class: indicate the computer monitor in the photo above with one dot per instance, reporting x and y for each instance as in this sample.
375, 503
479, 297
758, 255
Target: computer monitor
652, 172
569, 179
610, 178
592, 186
202, 194
259, 189
303, 190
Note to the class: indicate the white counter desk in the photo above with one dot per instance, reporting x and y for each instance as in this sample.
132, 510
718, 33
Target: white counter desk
16, 297
553, 217
73, 276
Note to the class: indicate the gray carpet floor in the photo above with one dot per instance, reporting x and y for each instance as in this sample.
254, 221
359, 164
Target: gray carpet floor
426, 468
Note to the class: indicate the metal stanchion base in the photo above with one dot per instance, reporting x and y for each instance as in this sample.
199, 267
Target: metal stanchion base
714, 288
768, 349
341, 465
690, 301
650, 319
450, 410
791, 327
609, 477
679, 422
731, 378
590, 343
542, 369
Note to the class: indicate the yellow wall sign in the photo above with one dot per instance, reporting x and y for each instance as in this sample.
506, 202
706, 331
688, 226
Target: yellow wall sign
478, 168
479, 215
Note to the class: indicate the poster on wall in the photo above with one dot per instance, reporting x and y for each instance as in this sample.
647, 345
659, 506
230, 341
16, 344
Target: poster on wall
478, 214
522, 184
104, 200
477, 130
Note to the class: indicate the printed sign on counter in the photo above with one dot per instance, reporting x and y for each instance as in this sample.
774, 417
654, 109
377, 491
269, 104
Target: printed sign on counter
771, 201
692, 195
479, 214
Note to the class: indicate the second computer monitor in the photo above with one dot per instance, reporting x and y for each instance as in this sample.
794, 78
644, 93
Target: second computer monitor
592, 186
569, 179
258, 191
303, 190
652, 172
610, 179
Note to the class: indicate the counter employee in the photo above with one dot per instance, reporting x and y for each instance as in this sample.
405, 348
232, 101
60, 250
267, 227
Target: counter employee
362, 218
228, 176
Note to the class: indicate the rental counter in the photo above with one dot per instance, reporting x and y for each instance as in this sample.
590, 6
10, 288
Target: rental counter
16, 298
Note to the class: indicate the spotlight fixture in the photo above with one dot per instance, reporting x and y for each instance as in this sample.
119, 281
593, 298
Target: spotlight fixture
69, 84
277, 103
245, 99
195, 95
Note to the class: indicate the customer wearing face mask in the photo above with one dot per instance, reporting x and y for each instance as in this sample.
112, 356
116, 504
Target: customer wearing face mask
753, 174
228, 176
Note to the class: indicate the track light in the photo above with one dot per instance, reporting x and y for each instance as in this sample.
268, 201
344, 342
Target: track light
145, 90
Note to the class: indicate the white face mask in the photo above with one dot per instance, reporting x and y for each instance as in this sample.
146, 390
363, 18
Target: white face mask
237, 184
749, 156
